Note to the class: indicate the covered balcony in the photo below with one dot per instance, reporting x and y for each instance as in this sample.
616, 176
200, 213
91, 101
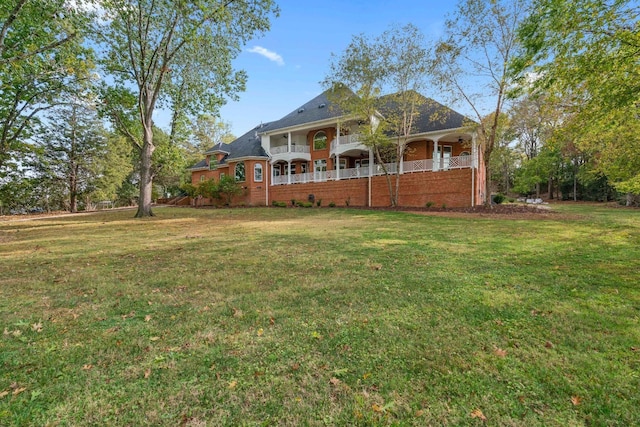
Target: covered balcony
288, 147
346, 143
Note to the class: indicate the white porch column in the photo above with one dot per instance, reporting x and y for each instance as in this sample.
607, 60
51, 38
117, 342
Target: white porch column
435, 156
337, 166
474, 151
370, 174
289, 171
289, 142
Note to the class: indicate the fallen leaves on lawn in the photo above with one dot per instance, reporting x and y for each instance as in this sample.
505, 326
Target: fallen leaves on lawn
478, 414
147, 373
37, 327
147, 317
334, 381
576, 400
18, 390
499, 352
87, 366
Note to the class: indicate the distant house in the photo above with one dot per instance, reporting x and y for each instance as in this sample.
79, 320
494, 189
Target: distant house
302, 155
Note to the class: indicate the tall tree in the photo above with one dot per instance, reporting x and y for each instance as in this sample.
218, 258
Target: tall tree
209, 131
471, 64
40, 50
146, 41
588, 51
387, 74
71, 145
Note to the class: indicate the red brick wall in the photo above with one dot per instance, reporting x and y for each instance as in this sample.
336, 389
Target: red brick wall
452, 188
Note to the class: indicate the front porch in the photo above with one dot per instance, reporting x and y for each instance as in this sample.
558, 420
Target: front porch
407, 166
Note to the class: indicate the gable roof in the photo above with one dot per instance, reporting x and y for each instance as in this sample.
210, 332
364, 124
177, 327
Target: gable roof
248, 145
432, 116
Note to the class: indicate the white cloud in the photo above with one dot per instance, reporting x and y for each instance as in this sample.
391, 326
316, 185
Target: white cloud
271, 56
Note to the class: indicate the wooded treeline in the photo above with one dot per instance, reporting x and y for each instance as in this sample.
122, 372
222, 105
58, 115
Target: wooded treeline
552, 85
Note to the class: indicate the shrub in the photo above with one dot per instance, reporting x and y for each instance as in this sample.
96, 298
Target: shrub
293, 202
429, 204
444, 206
348, 201
319, 202
498, 198
279, 204
332, 204
511, 200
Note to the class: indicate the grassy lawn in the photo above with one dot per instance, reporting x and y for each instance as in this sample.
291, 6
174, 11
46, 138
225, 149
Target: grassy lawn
320, 317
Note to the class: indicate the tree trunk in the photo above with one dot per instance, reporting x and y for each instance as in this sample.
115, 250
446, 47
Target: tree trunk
387, 175
550, 187
487, 182
73, 195
146, 175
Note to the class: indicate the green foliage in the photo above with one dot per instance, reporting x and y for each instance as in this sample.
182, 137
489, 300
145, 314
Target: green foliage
279, 204
180, 56
429, 204
41, 51
229, 187
585, 52
332, 204
470, 63
72, 145
498, 198
209, 188
394, 65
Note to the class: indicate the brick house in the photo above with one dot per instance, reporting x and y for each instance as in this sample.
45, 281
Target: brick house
302, 154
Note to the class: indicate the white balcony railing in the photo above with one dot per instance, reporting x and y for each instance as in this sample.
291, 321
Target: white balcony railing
426, 165
294, 149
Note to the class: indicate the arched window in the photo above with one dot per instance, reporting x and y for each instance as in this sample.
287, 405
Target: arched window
465, 153
320, 141
240, 175
257, 172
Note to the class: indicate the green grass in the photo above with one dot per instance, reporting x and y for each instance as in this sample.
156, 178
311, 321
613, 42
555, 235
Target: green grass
321, 317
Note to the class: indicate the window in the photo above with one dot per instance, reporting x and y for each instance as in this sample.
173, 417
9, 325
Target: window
221, 175
201, 178
343, 164
286, 169
465, 153
303, 168
321, 165
240, 176
276, 170
257, 172
320, 141
362, 163
320, 170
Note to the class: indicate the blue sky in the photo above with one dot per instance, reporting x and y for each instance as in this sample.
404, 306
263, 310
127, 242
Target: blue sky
285, 65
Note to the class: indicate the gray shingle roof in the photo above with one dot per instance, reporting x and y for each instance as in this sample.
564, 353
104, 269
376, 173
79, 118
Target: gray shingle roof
432, 115
248, 145
319, 108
